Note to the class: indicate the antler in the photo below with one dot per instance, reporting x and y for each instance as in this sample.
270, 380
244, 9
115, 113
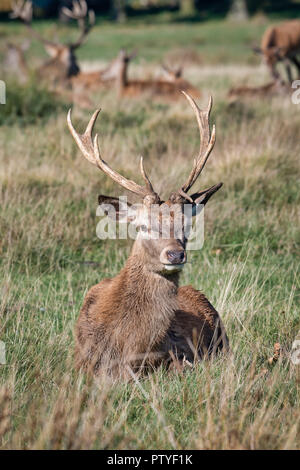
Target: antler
81, 13
90, 149
206, 144
22, 9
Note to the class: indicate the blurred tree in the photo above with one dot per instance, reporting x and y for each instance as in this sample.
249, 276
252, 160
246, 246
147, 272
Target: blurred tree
238, 10
119, 10
187, 7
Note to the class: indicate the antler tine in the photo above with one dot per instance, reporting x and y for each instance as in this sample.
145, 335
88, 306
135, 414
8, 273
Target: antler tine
145, 176
22, 9
90, 149
207, 141
79, 10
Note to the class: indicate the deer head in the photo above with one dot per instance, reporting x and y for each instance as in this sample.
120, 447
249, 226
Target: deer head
161, 240
61, 53
172, 74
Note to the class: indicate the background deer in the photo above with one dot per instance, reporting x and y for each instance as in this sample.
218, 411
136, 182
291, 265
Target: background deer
63, 68
135, 319
63, 63
281, 43
263, 91
156, 87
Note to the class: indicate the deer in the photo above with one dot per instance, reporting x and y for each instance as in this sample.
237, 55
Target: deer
63, 63
175, 75
142, 318
281, 43
155, 87
15, 62
62, 68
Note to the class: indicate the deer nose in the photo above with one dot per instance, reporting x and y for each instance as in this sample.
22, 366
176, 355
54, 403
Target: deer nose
176, 256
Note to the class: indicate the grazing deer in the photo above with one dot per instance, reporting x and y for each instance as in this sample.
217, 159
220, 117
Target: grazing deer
141, 317
281, 43
163, 88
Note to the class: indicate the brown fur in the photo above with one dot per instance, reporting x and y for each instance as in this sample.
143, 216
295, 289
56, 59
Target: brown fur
139, 316
162, 88
286, 36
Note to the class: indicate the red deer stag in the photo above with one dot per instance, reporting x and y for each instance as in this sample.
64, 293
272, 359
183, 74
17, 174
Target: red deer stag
63, 63
281, 43
63, 67
141, 317
159, 87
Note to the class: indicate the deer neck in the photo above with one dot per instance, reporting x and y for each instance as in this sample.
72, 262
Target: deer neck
147, 302
72, 65
122, 79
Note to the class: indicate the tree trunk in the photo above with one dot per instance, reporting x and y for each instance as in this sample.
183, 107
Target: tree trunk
187, 7
238, 11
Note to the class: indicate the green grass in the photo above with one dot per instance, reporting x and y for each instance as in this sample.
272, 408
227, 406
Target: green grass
248, 267
215, 41
28, 104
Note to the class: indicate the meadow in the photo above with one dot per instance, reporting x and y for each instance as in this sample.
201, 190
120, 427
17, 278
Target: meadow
248, 266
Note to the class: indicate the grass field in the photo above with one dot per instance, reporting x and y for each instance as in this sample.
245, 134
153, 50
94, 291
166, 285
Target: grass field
248, 267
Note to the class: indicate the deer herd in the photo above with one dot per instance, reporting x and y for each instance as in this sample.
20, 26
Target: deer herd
142, 318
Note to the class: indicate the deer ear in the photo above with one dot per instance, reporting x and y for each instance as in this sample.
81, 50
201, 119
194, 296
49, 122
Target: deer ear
202, 197
115, 208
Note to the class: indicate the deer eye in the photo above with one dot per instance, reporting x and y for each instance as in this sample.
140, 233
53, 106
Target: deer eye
143, 228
